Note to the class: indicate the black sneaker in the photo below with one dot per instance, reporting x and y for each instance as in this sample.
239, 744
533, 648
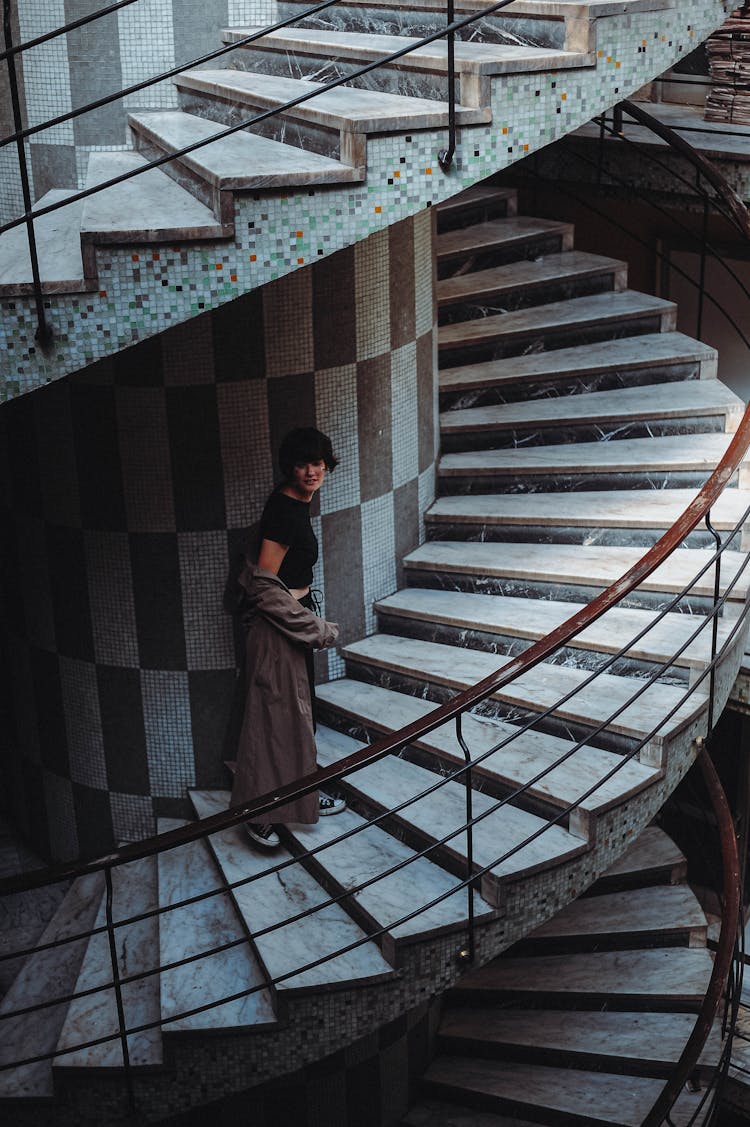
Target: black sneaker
263, 836
327, 804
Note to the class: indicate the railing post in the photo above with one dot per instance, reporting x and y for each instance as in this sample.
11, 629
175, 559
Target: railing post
702, 282
467, 954
43, 333
445, 156
714, 622
118, 988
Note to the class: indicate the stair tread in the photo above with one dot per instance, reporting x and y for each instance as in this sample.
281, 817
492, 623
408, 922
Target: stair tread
268, 900
58, 248
585, 564
669, 973
534, 618
497, 232
391, 781
43, 976
540, 687
188, 871
436, 1113
606, 508
654, 909
150, 207
371, 852
598, 1097
677, 452
658, 1038
514, 764
601, 308
656, 401
345, 107
513, 277
651, 851
475, 196
584, 360
243, 160
471, 58
134, 891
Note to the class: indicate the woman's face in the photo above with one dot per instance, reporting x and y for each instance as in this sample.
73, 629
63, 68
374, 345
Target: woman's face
307, 477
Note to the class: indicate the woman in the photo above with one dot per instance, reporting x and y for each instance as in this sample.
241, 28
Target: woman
277, 743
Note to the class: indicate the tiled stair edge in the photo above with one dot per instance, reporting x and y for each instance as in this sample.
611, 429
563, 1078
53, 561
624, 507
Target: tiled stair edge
528, 112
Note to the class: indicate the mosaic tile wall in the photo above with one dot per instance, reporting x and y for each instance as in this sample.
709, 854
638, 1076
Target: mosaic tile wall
125, 490
143, 292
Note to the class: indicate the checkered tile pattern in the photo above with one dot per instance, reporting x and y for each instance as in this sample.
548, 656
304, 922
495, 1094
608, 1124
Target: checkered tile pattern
124, 493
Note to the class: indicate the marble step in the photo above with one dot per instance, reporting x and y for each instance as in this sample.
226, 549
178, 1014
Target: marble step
134, 891
58, 249
627, 313
185, 872
474, 61
516, 764
671, 979
509, 239
573, 572
532, 281
652, 916
345, 113
240, 162
149, 208
276, 897
643, 1043
692, 403
653, 858
667, 356
506, 830
634, 517
483, 200
384, 657
381, 905
438, 1113
486, 621
557, 1096
44, 976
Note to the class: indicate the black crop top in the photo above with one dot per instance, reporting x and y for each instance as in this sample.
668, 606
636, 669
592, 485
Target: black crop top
286, 520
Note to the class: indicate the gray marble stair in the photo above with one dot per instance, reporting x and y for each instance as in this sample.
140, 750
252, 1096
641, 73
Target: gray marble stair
501, 241
479, 203
59, 249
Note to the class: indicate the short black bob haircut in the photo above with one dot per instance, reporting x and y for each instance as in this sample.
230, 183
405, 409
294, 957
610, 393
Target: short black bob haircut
305, 444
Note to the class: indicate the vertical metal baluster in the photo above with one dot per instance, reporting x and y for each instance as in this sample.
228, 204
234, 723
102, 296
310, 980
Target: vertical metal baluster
702, 281
445, 156
714, 623
118, 989
43, 333
467, 954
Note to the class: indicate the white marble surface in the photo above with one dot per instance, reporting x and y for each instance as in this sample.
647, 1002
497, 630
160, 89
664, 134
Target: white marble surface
44, 976
278, 896
585, 564
348, 108
652, 850
600, 308
539, 688
672, 452
242, 161
134, 891
514, 277
534, 618
499, 233
606, 508
391, 781
656, 401
184, 872
58, 250
514, 764
585, 360
660, 910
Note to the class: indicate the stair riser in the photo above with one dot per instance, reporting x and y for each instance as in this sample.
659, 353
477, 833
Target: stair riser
496, 709
475, 213
507, 646
510, 392
632, 941
546, 534
304, 136
409, 81
455, 485
516, 250
578, 1000
499, 28
544, 589
553, 435
524, 297
574, 336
